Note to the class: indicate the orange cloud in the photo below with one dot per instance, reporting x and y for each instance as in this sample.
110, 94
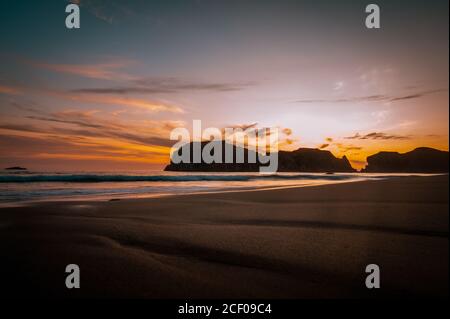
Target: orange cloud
136, 159
10, 90
56, 144
101, 71
125, 101
84, 135
115, 100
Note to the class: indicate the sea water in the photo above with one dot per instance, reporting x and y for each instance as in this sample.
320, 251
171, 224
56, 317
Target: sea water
25, 186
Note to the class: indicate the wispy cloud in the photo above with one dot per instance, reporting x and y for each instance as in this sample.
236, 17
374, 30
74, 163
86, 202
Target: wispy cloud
87, 124
259, 132
338, 85
102, 71
374, 98
142, 104
44, 146
243, 126
165, 85
10, 90
377, 136
343, 148
87, 135
106, 10
123, 101
346, 148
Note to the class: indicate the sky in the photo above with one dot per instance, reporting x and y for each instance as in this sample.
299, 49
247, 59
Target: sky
106, 96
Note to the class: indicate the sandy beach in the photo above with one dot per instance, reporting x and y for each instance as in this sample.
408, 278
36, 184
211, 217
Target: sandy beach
310, 242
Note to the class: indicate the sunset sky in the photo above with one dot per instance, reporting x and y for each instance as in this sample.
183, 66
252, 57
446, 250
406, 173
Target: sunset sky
106, 96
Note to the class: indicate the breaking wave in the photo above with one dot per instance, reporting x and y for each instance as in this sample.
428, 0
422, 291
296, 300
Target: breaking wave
91, 178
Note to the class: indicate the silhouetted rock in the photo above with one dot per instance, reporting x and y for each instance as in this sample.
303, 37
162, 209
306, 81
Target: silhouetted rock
420, 160
214, 167
16, 168
301, 160
312, 160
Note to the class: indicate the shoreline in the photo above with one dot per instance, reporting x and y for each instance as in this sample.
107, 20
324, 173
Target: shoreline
133, 196
298, 242
108, 198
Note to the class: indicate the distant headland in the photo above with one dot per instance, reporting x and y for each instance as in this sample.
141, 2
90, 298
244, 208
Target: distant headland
420, 160
15, 168
303, 159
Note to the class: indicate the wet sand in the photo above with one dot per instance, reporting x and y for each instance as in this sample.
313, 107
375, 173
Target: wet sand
311, 242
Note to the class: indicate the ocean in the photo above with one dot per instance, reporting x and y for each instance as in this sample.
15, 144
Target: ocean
19, 187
